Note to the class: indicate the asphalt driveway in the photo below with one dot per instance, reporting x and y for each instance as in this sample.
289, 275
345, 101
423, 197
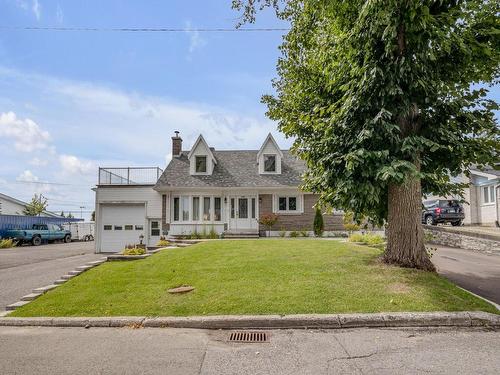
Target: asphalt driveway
472, 270
25, 268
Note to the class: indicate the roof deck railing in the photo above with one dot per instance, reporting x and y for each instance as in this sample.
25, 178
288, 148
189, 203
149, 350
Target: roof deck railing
129, 176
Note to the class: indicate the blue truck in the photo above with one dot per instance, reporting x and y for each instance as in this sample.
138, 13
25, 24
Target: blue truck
39, 233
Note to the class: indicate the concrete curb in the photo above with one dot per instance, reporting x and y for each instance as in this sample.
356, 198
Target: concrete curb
313, 321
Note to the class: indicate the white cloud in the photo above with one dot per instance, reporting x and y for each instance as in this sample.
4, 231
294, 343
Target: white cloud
73, 165
33, 6
195, 39
37, 162
59, 14
27, 135
37, 11
27, 176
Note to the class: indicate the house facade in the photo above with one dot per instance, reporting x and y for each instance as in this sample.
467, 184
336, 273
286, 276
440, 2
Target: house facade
205, 190
13, 206
482, 198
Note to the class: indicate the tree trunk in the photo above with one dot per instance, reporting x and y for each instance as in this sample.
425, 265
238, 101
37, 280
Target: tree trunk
405, 235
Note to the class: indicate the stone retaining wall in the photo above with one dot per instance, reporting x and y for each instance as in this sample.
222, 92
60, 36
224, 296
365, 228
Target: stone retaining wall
442, 236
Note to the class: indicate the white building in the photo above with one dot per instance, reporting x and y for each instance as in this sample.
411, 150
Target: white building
13, 206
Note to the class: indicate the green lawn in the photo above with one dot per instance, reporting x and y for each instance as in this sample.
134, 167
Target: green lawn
254, 277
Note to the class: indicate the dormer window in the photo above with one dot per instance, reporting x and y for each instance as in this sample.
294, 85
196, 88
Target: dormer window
201, 164
269, 163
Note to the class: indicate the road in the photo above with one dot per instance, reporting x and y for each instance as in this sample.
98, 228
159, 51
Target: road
25, 268
47, 350
474, 271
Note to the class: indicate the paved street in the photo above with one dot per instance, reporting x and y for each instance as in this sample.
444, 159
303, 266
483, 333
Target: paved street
28, 267
474, 271
54, 351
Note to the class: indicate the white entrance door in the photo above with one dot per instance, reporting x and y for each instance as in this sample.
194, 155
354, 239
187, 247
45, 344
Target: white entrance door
243, 213
154, 232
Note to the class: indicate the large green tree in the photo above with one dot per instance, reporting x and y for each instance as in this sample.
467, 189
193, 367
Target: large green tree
386, 99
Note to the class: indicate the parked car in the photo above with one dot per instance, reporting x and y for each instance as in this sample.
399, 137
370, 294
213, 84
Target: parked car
442, 211
39, 233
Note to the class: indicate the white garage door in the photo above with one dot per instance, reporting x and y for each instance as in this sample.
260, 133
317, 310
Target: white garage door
121, 225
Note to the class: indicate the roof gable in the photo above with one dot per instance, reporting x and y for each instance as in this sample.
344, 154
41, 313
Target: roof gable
205, 144
271, 139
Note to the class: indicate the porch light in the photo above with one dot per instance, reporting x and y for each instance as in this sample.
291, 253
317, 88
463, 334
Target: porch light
141, 238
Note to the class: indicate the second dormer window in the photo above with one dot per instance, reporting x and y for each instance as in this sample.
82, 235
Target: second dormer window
201, 164
269, 163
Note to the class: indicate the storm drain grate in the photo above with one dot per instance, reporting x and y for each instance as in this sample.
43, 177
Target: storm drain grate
248, 336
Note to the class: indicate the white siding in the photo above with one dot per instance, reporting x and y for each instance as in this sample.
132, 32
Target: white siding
201, 150
8, 207
126, 194
269, 148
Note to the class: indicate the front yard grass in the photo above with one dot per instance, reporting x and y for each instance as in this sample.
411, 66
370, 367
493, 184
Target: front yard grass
254, 277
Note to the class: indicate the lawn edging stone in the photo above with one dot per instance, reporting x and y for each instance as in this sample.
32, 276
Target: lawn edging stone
303, 321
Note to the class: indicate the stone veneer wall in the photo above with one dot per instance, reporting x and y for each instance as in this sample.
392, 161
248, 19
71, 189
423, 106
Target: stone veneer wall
442, 236
304, 221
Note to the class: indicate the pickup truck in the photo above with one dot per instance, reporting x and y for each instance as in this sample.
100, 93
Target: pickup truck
39, 233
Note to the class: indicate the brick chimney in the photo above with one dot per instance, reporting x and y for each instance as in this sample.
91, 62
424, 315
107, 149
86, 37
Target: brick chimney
176, 145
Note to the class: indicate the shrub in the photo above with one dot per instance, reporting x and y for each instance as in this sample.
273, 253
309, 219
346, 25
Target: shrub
318, 225
134, 251
282, 232
356, 237
213, 234
304, 233
294, 234
163, 242
6, 244
268, 220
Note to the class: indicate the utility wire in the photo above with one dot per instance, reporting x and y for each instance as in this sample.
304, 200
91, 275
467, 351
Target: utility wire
142, 29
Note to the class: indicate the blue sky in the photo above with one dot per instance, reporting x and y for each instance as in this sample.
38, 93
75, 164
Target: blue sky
71, 101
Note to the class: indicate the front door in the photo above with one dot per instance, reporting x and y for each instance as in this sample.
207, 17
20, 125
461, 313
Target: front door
243, 213
154, 232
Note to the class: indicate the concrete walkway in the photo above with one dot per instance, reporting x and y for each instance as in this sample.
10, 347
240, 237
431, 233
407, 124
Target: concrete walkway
474, 271
28, 267
47, 350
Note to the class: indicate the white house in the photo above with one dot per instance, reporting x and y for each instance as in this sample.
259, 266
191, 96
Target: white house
203, 190
13, 206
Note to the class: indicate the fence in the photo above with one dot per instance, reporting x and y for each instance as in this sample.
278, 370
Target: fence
129, 176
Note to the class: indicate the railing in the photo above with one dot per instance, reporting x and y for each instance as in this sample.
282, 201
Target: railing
129, 176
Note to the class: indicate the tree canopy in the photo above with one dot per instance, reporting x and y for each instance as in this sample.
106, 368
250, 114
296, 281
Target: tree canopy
381, 91
37, 205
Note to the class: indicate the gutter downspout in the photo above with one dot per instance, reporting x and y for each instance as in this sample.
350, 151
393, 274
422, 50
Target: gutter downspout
496, 205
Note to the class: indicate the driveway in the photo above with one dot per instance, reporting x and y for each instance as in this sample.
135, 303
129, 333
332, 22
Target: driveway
472, 270
48, 350
25, 268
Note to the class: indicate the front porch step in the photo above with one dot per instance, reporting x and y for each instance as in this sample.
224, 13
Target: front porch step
241, 234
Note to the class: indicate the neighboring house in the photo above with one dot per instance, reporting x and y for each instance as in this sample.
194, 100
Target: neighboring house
13, 206
201, 190
482, 197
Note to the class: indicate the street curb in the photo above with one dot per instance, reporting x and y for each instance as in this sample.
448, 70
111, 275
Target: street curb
483, 298
313, 321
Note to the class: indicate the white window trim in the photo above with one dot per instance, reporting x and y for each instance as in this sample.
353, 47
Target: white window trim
206, 165
275, 164
200, 220
483, 200
300, 204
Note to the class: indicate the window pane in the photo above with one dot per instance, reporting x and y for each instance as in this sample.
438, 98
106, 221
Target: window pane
118, 227
253, 208
196, 208
492, 194
201, 164
292, 204
108, 227
185, 208
206, 208
282, 204
232, 208
270, 163
217, 209
243, 208
129, 227
176, 209
139, 227
485, 195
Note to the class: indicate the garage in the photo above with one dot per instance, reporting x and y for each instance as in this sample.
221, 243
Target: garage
120, 225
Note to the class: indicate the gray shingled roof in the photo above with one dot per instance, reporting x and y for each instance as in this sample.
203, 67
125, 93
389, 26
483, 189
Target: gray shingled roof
488, 170
233, 169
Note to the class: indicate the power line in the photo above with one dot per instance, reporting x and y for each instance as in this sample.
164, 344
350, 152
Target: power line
142, 29
46, 183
